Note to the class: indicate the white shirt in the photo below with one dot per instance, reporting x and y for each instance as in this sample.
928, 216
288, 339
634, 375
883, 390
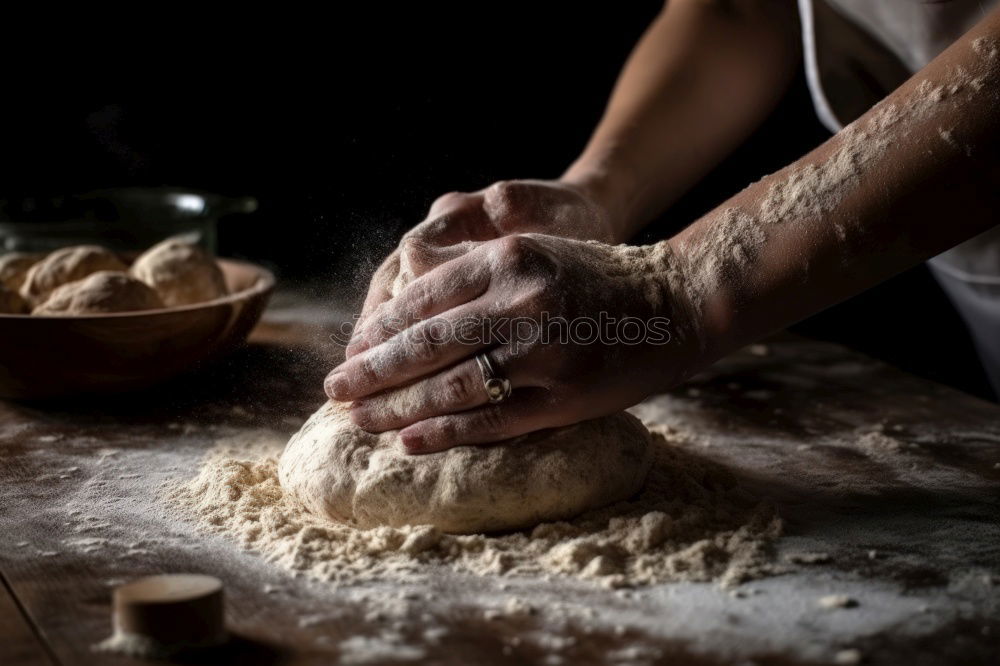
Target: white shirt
857, 52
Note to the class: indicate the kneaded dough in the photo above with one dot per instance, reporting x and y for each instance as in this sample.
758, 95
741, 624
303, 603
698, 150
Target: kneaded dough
104, 291
14, 268
338, 470
11, 302
181, 273
66, 265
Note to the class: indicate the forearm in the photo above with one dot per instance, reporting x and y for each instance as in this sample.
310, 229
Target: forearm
913, 177
702, 78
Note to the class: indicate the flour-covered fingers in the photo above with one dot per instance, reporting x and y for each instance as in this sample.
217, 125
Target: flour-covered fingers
418, 256
456, 389
456, 217
445, 287
379, 291
422, 349
528, 409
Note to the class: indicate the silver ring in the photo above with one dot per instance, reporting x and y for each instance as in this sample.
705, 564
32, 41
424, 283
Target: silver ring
497, 388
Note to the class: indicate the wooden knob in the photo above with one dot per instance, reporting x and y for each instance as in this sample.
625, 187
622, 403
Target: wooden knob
174, 609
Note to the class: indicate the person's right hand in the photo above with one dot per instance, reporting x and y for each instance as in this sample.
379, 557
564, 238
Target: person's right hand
578, 329
506, 207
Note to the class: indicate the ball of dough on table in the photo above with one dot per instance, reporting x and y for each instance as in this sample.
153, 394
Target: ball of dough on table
14, 268
104, 291
338, 470
11, 302
66, 265
181, 273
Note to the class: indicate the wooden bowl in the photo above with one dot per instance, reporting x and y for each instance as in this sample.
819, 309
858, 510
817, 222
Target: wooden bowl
51, 356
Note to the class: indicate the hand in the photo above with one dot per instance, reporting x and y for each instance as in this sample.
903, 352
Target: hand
423, 378
504, 208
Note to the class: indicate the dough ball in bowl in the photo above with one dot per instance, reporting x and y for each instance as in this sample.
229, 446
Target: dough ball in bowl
340, 471
14, 268
11, 302
181, 273
66, 265
104, 291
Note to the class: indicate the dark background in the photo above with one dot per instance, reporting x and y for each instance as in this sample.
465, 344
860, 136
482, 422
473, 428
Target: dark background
346, 124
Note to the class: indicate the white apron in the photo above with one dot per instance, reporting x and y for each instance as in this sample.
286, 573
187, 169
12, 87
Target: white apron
857, 52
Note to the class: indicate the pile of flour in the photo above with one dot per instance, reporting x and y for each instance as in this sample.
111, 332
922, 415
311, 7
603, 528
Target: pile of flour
691, 523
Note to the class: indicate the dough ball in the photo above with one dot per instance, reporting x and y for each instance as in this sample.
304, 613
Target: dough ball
14, 268
181, 273
338, 470
66, 265
104, 291
11, 302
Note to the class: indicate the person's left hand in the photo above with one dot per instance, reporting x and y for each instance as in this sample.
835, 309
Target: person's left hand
504, 208
413, 365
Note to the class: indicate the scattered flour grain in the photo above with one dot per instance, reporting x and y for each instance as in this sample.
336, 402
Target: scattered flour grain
692, 522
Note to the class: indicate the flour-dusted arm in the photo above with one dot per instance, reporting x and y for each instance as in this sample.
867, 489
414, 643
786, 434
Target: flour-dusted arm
916, 175
911, 178
703, 77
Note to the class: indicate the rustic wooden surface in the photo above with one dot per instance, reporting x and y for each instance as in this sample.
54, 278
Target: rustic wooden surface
21, 644
55, 604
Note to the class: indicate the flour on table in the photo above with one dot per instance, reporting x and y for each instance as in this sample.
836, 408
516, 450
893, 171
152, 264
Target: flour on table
385, 647
837, 601
691, 522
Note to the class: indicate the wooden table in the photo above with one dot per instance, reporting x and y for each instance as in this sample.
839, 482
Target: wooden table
896, 481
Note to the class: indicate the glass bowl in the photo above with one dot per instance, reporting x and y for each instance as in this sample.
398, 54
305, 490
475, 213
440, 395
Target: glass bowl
123, 219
